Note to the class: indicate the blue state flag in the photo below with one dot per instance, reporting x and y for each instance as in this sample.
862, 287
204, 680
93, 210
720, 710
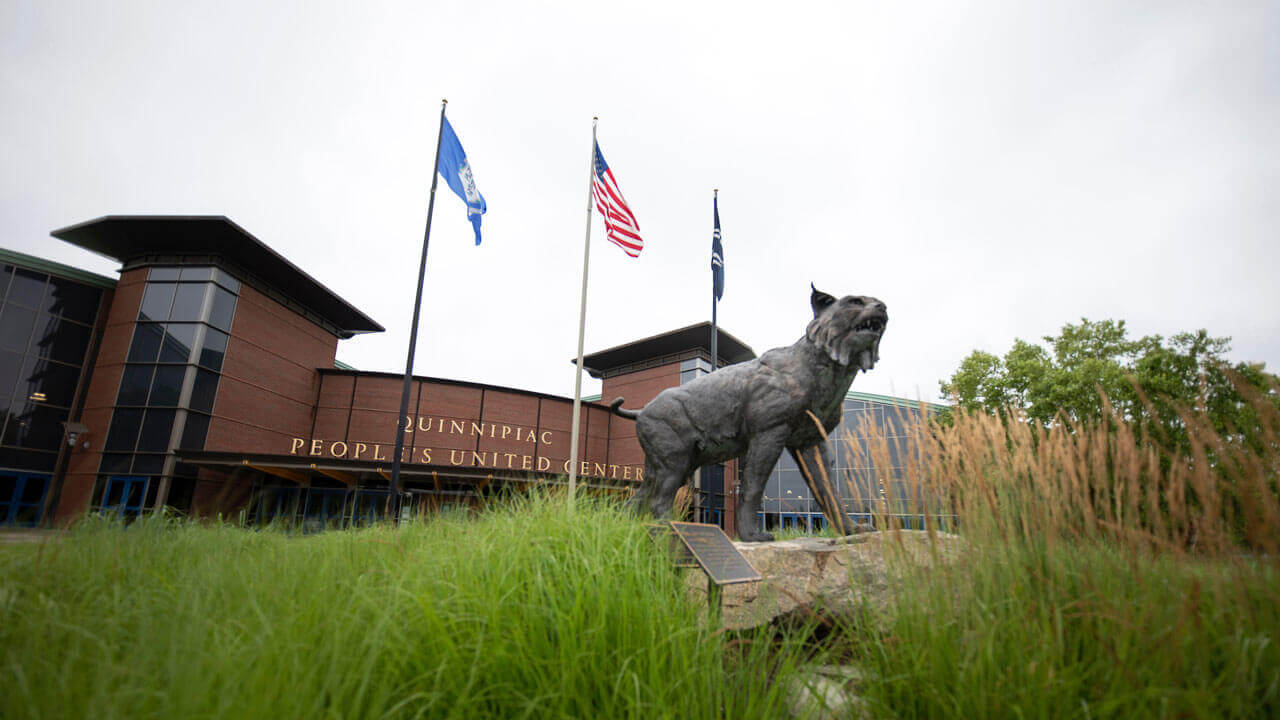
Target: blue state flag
457, 173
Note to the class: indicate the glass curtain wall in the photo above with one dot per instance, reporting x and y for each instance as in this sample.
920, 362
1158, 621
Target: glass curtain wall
168, 387
46, 323
872, 448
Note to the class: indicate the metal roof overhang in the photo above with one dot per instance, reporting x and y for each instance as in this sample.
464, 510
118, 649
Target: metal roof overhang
300, 470
124, 237
696, 336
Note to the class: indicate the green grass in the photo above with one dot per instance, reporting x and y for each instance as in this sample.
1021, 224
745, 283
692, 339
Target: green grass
1086, 630
1103, 578
1100, 580
526, 611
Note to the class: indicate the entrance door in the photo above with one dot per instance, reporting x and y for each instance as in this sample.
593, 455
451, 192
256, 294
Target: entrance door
370, 507
124, 496
324, 509
22, 498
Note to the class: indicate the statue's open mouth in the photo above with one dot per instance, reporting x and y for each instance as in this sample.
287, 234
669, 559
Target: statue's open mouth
874, 323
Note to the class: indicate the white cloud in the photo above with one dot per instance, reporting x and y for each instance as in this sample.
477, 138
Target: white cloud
991, 172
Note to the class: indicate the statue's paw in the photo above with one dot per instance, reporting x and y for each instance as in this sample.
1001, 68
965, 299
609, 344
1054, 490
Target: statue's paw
754, 535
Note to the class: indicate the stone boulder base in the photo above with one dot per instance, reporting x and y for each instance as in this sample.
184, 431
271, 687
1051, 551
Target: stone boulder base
832, 576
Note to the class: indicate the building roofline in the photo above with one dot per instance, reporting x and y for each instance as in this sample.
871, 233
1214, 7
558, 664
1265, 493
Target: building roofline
462, 383
14, 257
696, 336
127, 237
891, 400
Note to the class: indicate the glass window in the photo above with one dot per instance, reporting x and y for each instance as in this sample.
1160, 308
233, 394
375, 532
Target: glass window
148, 464
156, 429
178, 340
115, 491
48, 382
152, 488
204, 390
46, 329
193, 434
115, 463
36, 426
215, 347
224, 307
163, 273
156, 301
133, 494
23, 459
27, 288
181, 493
188, 302
72, 300
67, 342
167, 385
222, 278
135, 384
146, 342
123, 434
16, 324
10, 369
196, 273
6, 272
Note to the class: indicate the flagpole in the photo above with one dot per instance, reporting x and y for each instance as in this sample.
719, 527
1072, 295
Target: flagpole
401, 428
582, 327
715, 357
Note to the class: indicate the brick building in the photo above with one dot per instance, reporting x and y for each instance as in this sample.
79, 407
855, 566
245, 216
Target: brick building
204, 380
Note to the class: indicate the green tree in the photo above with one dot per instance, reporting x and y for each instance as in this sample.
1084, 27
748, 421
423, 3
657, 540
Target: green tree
1148, 380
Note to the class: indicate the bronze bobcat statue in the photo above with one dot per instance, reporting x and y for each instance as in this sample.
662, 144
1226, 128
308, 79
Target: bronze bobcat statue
755, 409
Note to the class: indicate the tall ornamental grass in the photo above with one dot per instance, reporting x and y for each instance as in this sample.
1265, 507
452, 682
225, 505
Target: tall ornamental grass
528, 610
1104, 575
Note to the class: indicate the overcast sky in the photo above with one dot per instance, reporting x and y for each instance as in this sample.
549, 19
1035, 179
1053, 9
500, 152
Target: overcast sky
989, 170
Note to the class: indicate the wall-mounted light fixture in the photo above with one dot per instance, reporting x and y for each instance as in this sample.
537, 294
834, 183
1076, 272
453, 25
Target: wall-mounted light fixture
77, 432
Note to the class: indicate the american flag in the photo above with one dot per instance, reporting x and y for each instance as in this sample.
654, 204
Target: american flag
620, 224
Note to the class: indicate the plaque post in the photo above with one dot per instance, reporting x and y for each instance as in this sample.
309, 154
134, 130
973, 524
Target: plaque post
715, 554
714, 602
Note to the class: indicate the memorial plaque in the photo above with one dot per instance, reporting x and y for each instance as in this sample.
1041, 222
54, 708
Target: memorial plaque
715, 553
680, 555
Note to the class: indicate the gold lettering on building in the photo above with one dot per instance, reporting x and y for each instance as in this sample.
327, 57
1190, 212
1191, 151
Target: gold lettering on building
533, 461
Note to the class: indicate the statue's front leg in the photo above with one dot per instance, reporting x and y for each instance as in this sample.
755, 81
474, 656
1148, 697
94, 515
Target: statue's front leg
761, 456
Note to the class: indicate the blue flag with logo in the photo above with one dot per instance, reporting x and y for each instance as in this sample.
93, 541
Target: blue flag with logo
717, 254
457, 173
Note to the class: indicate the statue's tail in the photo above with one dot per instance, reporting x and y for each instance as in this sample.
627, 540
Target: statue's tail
616, 407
